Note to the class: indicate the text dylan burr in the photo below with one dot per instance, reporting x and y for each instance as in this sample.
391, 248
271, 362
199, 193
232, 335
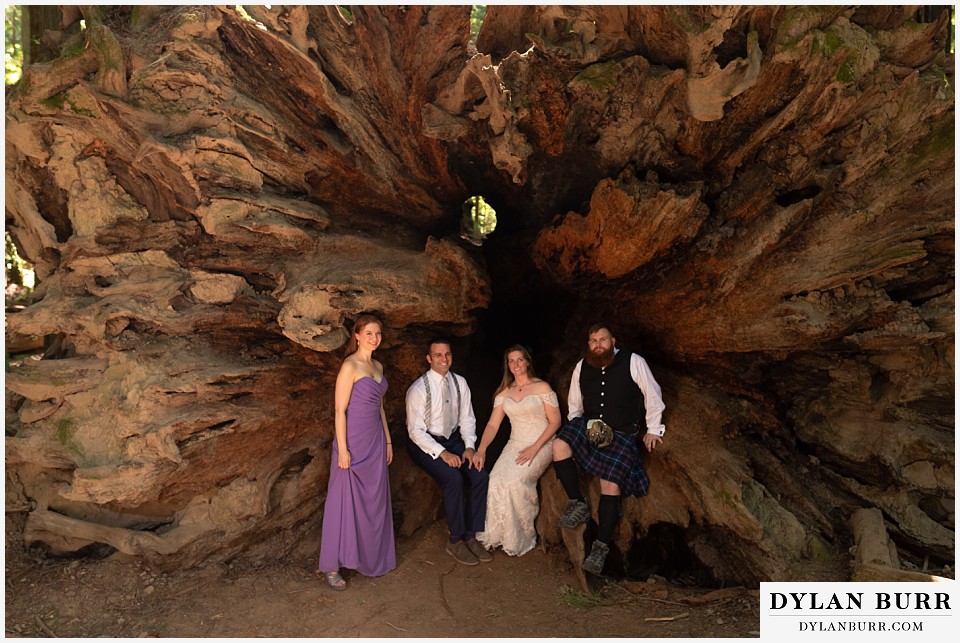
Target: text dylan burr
855, 601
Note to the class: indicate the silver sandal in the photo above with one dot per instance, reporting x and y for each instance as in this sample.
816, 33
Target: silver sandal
334, 581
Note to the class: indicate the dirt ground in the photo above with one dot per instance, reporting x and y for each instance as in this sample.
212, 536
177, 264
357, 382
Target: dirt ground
428, 595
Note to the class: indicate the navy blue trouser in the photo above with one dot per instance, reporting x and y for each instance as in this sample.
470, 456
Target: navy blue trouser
464, 489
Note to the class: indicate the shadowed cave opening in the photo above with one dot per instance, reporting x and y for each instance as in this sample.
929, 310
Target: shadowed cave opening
657, 555
663, 551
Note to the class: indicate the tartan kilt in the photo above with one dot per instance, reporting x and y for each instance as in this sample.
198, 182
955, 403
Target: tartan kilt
618, 462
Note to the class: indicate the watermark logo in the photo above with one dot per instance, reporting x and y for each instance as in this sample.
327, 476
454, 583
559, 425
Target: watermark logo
912, 610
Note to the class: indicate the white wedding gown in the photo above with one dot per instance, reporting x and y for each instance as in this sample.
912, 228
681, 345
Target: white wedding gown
512, 502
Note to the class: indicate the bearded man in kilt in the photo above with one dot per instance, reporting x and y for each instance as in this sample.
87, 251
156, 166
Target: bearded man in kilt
613, 386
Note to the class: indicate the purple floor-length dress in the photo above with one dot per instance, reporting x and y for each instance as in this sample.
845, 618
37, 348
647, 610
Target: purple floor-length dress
357, 519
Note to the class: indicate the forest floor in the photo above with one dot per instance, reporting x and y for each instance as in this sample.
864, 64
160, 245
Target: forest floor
428, 595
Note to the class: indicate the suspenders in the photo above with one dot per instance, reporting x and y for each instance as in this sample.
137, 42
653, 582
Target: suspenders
429, 403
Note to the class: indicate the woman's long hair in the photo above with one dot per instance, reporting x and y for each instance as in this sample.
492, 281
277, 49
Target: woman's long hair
367, 318
508, 377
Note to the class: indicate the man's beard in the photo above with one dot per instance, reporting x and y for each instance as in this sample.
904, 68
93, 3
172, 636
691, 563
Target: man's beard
600, 360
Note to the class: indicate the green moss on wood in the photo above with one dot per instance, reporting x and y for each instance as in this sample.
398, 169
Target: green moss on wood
818, 550
845, 74
683, 19
899, 254
727, 499
60, 100
66, 431
939, 141
825, 42
600, 75
76, 47
82, 111
109, 52
57, 101
786, 38
796, 23
136, 15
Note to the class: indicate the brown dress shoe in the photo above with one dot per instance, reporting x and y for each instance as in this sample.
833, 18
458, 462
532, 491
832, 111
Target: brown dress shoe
461, 553
479, 551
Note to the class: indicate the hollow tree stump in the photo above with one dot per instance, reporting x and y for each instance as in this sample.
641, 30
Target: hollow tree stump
209, 199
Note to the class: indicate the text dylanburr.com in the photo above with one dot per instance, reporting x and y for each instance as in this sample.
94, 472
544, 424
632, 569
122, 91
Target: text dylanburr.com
846, 611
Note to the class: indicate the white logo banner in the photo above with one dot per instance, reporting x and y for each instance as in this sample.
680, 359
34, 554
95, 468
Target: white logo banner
848, 611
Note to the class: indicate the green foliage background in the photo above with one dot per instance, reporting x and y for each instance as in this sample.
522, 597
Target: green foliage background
476, 19
13, 50
14, 266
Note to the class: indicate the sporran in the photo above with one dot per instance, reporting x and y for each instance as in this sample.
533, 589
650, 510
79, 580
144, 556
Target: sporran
599, 433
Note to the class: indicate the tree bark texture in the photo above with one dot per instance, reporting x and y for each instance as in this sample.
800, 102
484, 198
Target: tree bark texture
758, 199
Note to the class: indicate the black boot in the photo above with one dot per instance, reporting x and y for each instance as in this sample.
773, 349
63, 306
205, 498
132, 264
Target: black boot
577, 513
598, 555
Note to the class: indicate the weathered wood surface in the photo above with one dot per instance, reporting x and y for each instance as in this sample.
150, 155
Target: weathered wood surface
873, 573
875, 557
760, 199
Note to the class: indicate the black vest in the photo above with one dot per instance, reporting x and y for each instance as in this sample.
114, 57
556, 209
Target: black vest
611, 395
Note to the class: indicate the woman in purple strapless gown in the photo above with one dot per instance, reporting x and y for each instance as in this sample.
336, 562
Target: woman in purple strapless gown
357, 518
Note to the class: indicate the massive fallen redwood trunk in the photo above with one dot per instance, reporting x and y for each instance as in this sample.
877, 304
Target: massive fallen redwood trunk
759, 199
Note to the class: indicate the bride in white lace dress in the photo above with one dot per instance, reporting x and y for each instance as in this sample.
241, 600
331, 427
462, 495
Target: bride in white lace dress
534, 412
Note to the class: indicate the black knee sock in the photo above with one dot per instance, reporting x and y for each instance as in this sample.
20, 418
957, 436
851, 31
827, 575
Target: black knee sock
608, 514
567, 475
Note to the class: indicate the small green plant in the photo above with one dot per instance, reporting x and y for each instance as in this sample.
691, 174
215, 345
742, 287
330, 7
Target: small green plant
570, 597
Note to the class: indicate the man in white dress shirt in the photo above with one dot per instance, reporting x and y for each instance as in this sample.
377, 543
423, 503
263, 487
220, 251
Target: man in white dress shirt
443, 436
